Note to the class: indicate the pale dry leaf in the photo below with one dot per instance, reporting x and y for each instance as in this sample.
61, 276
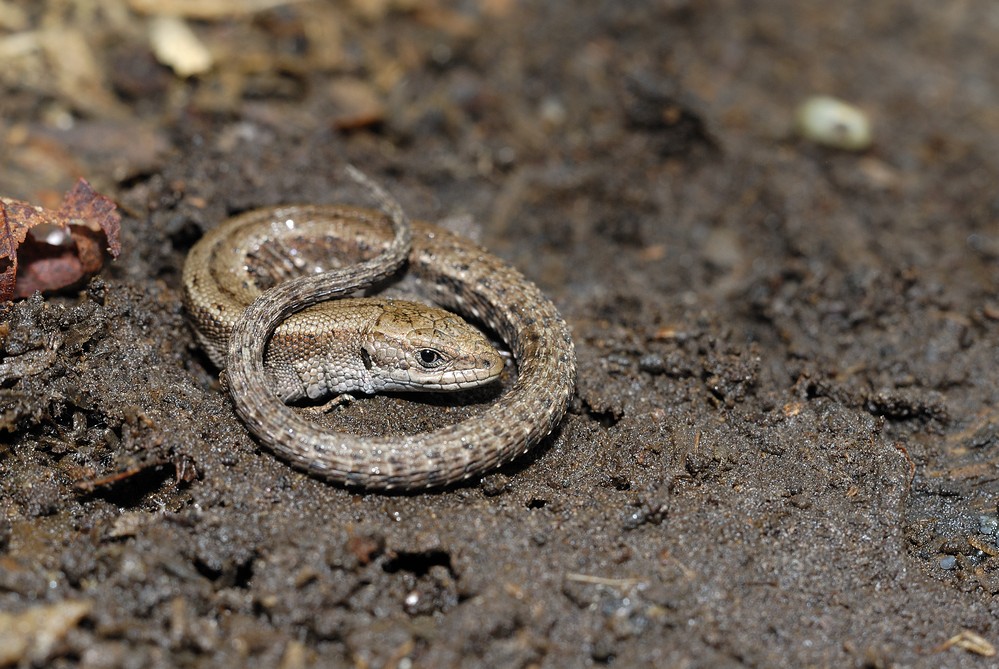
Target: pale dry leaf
29, 638
175, 45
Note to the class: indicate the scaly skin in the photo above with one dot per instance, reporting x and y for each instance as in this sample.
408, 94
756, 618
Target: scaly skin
454, 272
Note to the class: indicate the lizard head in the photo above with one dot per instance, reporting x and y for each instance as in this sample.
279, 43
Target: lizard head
414, 347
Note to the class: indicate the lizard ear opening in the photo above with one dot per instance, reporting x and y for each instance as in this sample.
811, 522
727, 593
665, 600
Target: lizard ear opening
366, 357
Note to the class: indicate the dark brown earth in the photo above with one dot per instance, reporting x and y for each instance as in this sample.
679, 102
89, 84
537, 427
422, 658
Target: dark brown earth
783, 447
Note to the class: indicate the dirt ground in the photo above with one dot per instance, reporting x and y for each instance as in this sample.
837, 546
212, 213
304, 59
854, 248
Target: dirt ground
783, 447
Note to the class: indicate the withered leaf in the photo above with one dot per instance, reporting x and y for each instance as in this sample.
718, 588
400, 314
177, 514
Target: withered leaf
66, 245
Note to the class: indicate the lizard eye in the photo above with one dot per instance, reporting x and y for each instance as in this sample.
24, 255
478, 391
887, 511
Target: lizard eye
430, 358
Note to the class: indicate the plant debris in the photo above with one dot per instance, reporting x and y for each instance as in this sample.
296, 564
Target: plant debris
34, 635
971, 642
65, 246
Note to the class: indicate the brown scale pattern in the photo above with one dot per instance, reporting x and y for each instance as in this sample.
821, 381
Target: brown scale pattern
457, 274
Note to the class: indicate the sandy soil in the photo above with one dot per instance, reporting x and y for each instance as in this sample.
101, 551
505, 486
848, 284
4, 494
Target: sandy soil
782, 450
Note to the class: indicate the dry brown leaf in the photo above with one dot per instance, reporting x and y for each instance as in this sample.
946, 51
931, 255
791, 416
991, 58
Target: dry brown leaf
65, 246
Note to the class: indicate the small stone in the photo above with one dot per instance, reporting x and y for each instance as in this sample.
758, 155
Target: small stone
834, 123
652, 363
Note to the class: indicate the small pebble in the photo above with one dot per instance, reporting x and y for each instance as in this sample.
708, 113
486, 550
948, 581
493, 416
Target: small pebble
948, 562
618, 361
834, 123
355, 104
988, 525
651, 363
552, 112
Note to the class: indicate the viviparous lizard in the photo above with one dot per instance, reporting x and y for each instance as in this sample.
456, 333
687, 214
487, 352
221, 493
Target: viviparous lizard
278, 348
